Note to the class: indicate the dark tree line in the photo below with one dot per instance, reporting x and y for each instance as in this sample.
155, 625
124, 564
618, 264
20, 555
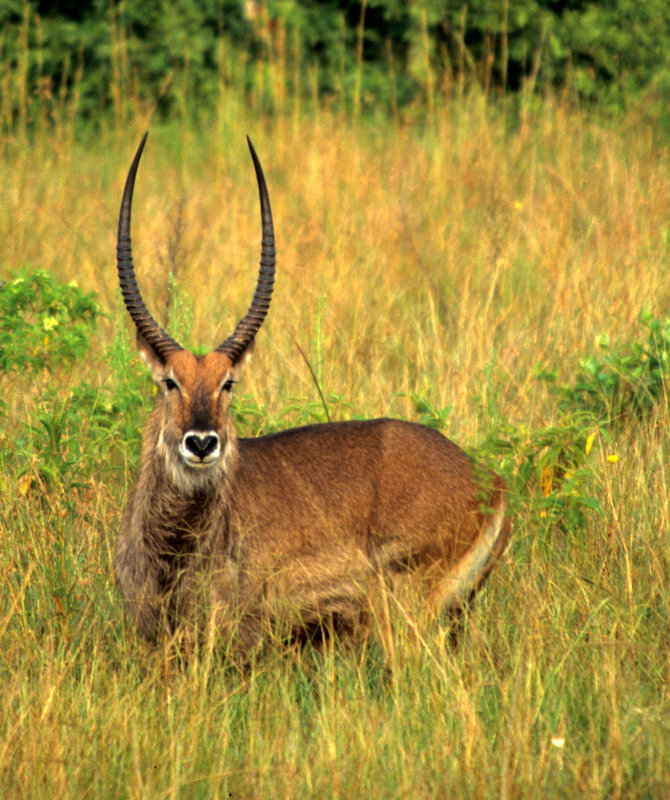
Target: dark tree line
388, 53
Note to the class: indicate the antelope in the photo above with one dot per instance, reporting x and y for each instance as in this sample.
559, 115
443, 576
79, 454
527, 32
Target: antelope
309, 529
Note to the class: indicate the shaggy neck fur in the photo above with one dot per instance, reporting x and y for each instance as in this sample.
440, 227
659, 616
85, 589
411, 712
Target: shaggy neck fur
168, 528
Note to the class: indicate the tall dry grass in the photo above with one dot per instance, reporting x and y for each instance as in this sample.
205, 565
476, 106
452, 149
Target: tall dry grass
446, 261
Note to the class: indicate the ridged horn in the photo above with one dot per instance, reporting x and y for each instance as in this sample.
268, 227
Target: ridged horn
146, 325
248, 327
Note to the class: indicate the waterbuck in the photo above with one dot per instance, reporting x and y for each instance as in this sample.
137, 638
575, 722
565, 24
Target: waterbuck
322, 527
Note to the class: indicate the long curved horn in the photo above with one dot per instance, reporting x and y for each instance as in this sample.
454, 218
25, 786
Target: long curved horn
248, 327
146, 325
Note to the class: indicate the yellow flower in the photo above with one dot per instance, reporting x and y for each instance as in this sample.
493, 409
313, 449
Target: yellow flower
589, 442
612, 458
558, 741
24, 484
518, 205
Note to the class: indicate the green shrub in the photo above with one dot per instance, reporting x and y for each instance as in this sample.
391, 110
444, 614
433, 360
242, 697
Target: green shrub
550, 469
616, 383
43, 324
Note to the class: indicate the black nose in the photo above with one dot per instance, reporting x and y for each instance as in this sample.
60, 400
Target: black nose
201, 445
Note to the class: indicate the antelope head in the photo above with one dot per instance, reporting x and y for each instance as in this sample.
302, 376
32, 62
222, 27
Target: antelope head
195, 436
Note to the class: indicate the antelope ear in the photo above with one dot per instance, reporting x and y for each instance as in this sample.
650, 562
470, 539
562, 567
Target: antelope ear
244, 359
151, 357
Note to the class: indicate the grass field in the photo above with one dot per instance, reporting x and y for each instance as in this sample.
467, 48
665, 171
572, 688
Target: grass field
426, 272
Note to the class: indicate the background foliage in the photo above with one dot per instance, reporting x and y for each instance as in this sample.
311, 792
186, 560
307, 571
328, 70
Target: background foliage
94, 56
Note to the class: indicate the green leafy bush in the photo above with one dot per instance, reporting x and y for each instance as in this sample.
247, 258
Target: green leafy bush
43, 324
616, 383
551, 468
427, 413
46, 325
73, 437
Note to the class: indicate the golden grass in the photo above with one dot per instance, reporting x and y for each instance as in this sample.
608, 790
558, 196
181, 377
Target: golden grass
430, 251
447, 262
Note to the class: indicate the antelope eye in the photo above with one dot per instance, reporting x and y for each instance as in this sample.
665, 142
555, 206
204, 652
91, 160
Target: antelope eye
170, 384
228, 385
